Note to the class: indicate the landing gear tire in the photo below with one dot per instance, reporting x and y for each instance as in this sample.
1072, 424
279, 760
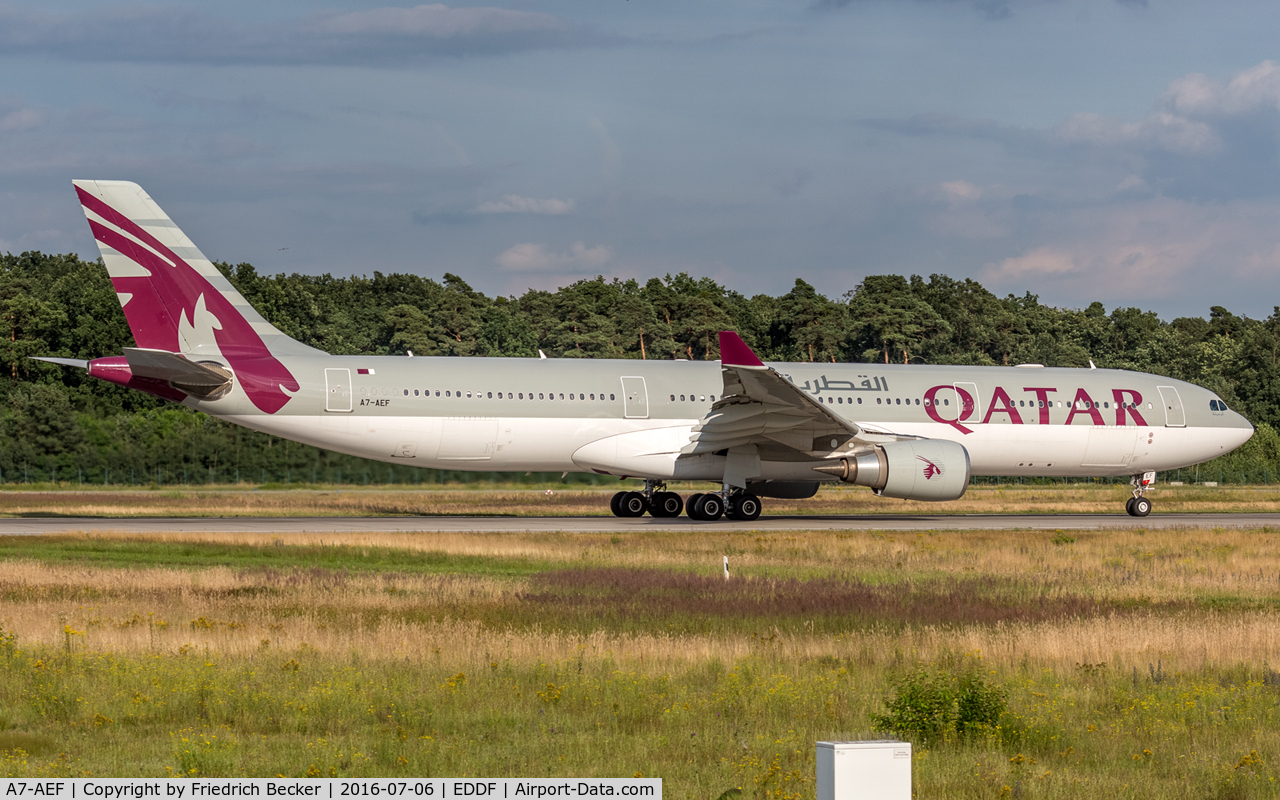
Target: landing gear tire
665, 504
1128, 506
691, 504
1140, 507
615, 504
745, 506
708, 508
632, 504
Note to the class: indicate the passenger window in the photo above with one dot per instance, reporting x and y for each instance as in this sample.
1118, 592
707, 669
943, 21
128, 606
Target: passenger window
681, 398
446, 394
877, 401
562, 396
610, 395
703, 399
570, 395
917, 401
839, 401
539, 395
899, 400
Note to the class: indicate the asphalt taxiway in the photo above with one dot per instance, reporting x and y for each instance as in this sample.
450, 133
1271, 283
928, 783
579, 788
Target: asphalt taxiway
498, 524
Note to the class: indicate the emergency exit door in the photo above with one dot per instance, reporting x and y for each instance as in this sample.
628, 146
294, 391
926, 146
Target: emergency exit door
635, 398
1174, 416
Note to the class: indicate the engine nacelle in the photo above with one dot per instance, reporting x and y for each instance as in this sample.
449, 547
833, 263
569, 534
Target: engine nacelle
924, 469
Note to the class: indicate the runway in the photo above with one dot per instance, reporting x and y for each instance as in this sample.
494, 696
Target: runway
34, 526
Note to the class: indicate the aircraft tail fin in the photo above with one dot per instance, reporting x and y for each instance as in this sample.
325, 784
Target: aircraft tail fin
160, 275
176, 301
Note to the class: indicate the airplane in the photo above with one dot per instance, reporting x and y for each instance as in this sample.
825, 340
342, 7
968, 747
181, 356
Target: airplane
753, 429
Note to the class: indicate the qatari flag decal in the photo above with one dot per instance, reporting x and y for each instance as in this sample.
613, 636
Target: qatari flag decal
364, 372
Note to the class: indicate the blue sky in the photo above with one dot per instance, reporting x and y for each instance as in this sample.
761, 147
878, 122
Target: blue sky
1114, 150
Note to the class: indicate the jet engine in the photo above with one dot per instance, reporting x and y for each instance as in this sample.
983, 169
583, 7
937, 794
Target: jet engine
922, 469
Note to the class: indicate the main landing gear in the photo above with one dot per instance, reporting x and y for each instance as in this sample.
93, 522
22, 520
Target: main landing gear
730, 503
1139, 506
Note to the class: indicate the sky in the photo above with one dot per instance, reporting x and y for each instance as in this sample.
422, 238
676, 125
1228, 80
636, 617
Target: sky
1124, 151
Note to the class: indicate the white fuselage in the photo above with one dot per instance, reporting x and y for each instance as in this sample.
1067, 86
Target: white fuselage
633, 417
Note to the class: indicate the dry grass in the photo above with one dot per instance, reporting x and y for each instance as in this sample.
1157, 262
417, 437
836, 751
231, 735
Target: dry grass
843, 500
1160, 686
432, 616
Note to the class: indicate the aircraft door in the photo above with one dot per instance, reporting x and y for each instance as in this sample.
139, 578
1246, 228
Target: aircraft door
635, 398
970, 412
337, 395
1174, 416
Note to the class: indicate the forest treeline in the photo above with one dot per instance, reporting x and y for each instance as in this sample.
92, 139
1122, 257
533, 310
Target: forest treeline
59, 424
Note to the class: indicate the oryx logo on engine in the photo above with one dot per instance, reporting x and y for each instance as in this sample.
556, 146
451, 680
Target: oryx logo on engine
930, 469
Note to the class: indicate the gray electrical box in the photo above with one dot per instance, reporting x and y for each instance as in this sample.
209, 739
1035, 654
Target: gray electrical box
878, 770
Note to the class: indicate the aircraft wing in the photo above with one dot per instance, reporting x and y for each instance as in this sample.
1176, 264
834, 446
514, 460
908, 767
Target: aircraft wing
760, 407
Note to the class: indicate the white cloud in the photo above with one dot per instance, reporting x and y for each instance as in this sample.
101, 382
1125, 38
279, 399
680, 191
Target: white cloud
531, 257
385, 36
1251, 90
1132, 183
1159, 129
1151, 248
21, 120
515, 204
961, 189
1187, 118
437, 21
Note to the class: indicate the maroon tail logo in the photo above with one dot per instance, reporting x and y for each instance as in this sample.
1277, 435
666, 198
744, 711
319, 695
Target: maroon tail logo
174, 287
930, 469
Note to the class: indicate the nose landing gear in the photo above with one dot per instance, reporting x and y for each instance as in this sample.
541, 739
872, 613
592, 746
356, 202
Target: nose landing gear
1139, 506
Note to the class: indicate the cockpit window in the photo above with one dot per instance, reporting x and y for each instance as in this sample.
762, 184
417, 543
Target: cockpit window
1217, 405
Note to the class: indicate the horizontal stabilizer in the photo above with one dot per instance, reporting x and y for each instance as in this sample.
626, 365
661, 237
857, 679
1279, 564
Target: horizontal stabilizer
78, 363
193, 377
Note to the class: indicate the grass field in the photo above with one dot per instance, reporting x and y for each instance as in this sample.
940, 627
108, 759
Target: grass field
303, 500
1132, 664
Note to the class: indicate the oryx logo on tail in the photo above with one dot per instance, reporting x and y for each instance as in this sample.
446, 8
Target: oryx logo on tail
169, 304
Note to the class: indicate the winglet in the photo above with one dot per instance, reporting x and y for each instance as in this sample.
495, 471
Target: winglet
735, 353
